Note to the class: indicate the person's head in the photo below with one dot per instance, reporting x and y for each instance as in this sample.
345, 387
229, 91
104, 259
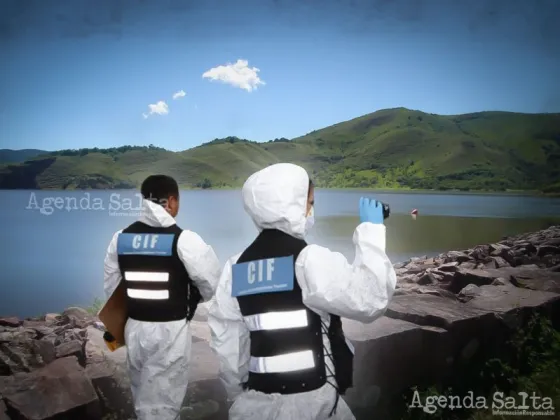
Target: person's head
279, 196
310, 198
162, 190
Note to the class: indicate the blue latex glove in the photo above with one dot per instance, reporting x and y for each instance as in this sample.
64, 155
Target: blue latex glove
371, 211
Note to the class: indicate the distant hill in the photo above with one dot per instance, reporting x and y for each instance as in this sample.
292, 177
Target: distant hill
392, 148
14, 156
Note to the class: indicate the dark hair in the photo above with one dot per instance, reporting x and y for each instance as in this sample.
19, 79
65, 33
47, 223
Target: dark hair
311, 186
158, 188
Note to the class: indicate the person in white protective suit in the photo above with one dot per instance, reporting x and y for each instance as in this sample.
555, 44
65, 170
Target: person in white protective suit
275, 320
167, 271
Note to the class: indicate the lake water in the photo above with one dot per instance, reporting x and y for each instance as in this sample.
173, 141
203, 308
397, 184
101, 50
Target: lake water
52, 257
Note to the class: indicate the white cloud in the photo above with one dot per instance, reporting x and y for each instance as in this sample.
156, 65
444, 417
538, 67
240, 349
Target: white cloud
239, 75
159, 108
179, 94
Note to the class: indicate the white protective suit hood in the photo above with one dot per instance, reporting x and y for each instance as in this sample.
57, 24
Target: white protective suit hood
155, 215
276, 198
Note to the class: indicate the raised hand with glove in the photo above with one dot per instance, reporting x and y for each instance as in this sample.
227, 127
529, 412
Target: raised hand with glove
372, 211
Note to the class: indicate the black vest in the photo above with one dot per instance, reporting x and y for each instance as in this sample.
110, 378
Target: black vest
157, 284
275, 341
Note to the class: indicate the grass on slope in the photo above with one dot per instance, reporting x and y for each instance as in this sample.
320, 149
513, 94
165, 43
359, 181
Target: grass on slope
403, 148
232, 163
392, 148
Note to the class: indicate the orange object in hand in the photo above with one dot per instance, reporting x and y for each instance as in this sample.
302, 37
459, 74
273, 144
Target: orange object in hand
110, 341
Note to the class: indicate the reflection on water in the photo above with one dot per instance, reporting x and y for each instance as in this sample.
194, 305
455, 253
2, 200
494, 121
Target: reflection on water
425, 235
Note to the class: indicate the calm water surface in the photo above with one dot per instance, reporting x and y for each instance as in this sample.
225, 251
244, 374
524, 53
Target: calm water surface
53, 251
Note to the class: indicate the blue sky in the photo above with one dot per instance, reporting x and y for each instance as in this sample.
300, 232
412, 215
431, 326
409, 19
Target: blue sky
82, 73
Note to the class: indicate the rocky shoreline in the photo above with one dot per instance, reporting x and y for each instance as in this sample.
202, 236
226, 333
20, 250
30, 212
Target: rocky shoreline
450, 309
446, 310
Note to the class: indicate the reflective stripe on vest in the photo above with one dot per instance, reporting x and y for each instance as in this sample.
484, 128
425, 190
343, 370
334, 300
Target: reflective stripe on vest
289, 362
282, 363
146, 276
277, 320
148, 294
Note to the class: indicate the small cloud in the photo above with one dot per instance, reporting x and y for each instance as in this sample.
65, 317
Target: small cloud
160, 108
239, 75
179, 94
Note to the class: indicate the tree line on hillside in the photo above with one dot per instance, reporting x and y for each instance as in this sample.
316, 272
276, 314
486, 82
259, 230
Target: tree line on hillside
234, 139
127, 148
108, 151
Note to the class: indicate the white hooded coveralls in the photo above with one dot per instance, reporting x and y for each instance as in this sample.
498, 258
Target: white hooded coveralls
276, 198
159, 352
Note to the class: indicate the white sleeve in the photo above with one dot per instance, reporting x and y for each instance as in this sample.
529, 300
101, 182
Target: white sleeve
360, 291
201, 263
112, 272
230, 335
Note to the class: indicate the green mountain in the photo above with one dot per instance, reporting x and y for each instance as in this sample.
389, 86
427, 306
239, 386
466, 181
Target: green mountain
392, 148
13, 156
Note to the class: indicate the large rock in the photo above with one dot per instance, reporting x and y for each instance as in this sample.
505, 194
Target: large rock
52, 319
550, 261
11, 322
514, 305
413, 268
428, 278
427, 334
469, 265
435, 311
17, 334
109, 376
469, 292
59, 390
388, 359
425, 338
71, 348
23, 354
463, 277
66, 334
548, 250
452, 267
33, 323
457, 256
464, 323
480, 253
408, 288
496, 262
553, 242
78, 317
42, 331
535, 278
503, 253
3, 408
